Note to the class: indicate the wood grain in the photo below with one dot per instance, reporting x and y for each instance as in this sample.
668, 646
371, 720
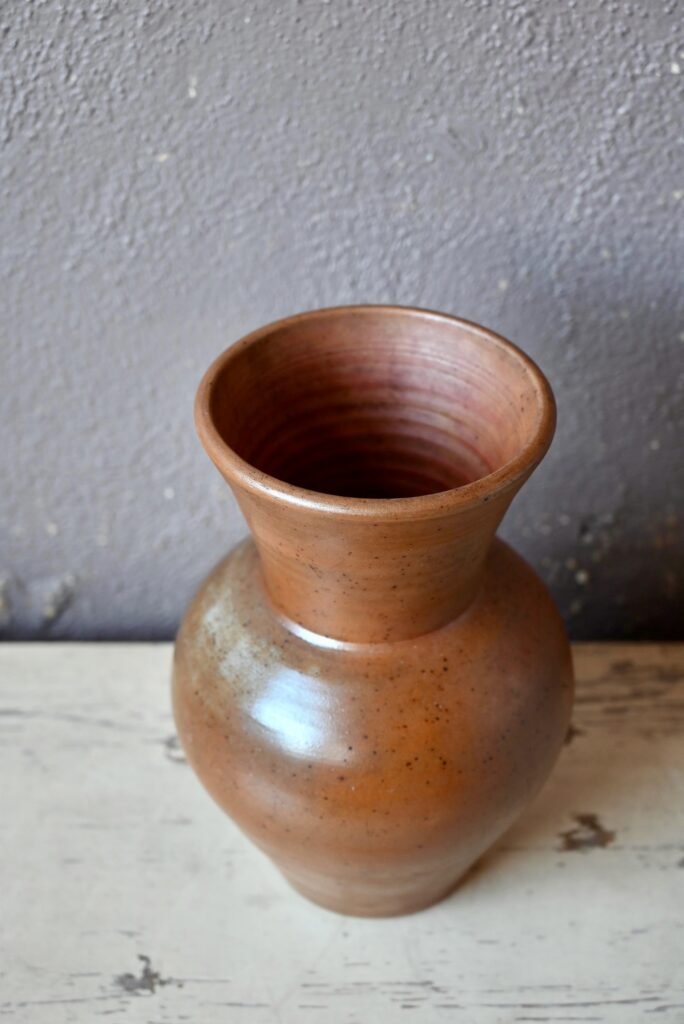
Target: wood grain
127, 895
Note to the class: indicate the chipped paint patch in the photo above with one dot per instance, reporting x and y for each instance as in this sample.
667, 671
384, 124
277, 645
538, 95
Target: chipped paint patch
174, 751
147, 981
587, 834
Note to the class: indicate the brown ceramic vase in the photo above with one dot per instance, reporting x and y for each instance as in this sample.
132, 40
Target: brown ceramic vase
373, 686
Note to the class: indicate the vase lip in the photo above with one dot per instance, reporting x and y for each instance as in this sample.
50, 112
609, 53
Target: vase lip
243, 475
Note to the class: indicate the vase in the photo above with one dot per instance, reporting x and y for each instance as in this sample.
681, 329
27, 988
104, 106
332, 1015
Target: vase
373, 686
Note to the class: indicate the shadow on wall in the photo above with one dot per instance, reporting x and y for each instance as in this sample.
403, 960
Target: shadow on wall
609, 541
613, 587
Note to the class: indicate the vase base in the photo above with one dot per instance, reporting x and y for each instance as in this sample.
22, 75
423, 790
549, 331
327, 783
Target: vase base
344, 901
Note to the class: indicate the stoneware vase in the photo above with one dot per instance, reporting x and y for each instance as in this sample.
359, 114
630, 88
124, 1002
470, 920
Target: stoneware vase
373, 686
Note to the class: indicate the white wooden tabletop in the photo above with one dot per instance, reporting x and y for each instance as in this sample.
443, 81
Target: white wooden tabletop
126, 894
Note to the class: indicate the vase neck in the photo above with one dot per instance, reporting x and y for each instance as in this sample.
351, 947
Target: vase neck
371, 580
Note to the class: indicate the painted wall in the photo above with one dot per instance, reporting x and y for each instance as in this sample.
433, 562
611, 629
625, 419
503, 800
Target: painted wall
175, 174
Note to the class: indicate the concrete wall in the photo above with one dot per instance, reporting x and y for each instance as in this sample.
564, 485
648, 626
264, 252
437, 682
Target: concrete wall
174, 174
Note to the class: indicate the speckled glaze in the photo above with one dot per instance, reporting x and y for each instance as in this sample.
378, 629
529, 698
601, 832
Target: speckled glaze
373, 687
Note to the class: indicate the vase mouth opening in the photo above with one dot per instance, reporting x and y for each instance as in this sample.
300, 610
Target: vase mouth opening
386, 411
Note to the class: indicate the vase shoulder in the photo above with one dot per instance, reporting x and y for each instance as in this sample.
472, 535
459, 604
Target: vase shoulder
373, 774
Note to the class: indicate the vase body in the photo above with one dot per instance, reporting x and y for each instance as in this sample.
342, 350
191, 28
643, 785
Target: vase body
373, 687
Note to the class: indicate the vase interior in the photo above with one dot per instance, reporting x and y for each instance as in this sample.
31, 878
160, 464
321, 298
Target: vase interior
360, 404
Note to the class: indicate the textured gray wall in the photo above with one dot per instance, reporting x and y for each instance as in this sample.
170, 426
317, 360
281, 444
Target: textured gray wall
174, 174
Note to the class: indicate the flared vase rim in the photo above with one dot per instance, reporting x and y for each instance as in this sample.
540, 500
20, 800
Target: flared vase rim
242, 475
